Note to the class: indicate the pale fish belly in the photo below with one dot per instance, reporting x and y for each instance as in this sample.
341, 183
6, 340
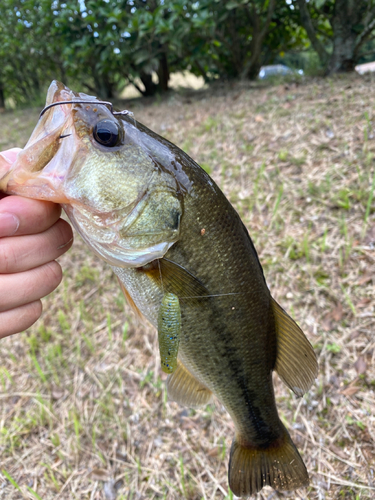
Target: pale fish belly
147, 296
145, 293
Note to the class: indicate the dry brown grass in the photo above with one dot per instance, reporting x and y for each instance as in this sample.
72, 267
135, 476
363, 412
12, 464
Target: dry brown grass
84, 412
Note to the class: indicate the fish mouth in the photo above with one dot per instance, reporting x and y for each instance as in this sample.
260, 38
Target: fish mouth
41, 168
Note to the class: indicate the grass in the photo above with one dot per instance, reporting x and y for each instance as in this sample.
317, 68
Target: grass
84, 413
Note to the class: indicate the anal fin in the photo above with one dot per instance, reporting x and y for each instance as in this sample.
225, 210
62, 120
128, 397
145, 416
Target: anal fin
185, 389
296, 362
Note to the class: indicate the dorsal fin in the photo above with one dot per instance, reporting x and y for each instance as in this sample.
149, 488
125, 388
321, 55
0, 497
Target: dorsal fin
296, 362
185, 389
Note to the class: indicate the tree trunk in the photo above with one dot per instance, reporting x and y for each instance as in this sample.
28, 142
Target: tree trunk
201, 70
254, 65
107, 83
150, 87
343, 58
307, 24
347, 14
163, 73
2, 97
103, 85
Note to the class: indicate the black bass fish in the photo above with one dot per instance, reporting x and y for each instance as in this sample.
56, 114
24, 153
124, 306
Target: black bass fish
165, 227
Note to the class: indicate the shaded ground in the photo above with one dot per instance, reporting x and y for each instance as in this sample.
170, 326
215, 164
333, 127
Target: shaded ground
84, 413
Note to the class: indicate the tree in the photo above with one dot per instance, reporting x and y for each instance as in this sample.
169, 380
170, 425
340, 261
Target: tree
26, 61
118, 41
344, 25
102, 45
233, 38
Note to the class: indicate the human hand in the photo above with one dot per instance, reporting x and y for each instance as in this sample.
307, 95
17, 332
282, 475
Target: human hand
32, 236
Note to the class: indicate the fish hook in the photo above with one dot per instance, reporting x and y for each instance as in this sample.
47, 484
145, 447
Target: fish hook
106, 103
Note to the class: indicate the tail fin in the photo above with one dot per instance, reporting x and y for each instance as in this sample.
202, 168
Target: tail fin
279, 465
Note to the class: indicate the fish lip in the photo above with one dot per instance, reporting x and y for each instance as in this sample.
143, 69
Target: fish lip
37, 190
34, 174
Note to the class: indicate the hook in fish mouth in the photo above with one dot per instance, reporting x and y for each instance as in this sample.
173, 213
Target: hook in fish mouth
106, 103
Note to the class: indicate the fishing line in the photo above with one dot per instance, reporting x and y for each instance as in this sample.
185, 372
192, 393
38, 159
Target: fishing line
106, 103
208, 296
161, 277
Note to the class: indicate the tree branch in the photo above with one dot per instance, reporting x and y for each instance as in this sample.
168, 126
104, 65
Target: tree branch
271, 9
307, 24
362, 37
258, 37
201, 70
369, 53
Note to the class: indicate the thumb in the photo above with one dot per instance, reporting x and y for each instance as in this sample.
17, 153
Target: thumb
7, 158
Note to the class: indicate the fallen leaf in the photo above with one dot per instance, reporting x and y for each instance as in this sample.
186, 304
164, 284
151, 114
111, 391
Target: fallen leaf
214, 452
236, 96
57, 392
327, 326
337, 313
338, 451
365, 279
360, 365
363, 302
350, 390
259, 118
99, 475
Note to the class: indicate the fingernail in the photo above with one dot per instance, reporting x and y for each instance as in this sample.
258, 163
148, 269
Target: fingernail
65, 244
9, 224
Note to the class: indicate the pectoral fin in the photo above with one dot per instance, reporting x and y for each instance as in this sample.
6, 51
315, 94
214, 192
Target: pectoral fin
173, 278
296, 362
185, 389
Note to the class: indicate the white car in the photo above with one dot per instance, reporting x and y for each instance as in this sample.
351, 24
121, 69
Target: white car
277, 69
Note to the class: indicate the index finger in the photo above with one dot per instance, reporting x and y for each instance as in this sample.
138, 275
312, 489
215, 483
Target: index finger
20, 216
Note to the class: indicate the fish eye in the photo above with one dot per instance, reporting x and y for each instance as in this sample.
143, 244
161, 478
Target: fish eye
106, 132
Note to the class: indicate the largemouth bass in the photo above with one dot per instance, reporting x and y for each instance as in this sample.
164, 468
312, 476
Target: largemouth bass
165, 227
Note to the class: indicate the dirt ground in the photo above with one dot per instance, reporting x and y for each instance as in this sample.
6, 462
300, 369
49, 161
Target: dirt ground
84, 412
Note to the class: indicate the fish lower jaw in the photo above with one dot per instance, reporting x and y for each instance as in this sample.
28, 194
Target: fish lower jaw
107, 246
118, 256
40, 191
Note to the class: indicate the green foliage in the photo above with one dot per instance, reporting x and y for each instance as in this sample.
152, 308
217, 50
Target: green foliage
26, 61
102, 45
